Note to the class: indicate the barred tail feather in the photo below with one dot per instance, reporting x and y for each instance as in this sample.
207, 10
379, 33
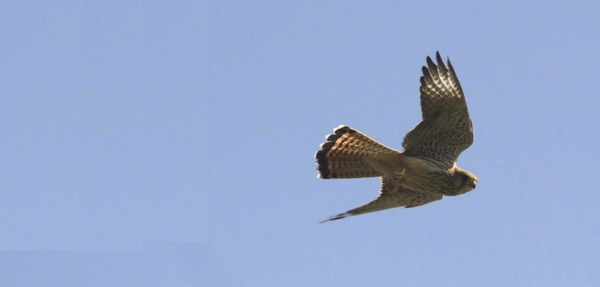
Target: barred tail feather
349, 153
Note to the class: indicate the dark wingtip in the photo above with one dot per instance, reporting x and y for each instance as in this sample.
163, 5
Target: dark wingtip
426, 76
440, 61
430, 63
337, 217
438, 57
450, 65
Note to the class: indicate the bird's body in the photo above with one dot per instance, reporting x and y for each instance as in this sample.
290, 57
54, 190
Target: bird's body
426, 169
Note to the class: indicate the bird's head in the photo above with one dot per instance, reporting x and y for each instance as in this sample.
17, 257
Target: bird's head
463, 181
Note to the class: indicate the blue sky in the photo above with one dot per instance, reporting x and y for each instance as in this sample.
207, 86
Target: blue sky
171, 144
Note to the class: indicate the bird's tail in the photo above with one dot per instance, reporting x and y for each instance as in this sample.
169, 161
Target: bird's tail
349, 153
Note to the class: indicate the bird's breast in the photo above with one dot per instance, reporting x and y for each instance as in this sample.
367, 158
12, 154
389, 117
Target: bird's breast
425, 175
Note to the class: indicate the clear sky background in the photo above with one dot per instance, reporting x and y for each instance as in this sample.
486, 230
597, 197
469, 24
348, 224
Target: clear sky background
172, 143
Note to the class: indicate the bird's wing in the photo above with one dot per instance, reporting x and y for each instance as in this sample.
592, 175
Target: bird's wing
446, 129
391, 195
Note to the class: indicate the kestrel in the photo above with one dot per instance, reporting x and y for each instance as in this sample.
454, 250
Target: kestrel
426, 170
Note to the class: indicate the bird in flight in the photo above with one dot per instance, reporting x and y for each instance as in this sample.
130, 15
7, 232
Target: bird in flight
426, 170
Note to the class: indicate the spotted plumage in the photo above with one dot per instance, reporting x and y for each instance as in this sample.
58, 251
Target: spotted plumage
426, 169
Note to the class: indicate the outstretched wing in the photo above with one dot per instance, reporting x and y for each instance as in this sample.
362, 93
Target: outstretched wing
446, 129
391, 195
